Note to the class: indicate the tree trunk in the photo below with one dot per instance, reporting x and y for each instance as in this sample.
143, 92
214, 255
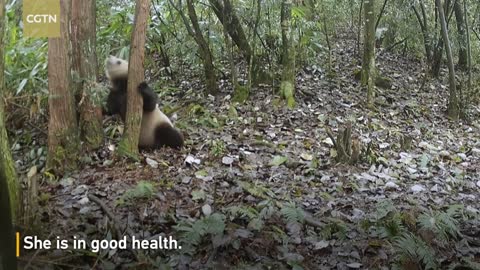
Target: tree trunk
438, 49
359, 29
437, 58
287, 86
6, 161
7, 248
453, 100
469, 49
381, 14
206, 54
8, 180
462, 50
133, 119
427, 41
84, 64
368, 63
230, 21
63, 142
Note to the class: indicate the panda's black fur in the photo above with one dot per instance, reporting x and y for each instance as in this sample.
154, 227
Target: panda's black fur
156, 129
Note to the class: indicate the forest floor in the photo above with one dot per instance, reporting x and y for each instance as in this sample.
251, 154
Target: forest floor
257, 187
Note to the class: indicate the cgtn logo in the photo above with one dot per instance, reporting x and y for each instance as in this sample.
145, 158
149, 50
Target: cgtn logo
41, 18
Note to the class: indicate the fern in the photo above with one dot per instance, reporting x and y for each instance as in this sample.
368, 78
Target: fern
392, 227
242, 211
292, 214
257, 190
442, 224
214, 224
412, 249
334, 227
192, 233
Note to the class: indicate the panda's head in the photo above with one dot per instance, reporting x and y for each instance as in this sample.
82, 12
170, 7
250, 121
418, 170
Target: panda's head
116, 68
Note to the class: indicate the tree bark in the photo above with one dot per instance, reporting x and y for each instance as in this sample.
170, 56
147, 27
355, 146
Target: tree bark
359, 28
368, 63
207, 57
438, 49
287, 86
469, 48
462, 50
6, 161
133, 119
453, 100
8, 180
230, 21
427, 41
63, 142
84, 64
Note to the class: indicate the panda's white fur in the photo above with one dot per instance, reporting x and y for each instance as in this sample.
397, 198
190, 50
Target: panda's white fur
149, 120
116, 68
155, 123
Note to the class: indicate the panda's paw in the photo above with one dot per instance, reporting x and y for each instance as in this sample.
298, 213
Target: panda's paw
142, 86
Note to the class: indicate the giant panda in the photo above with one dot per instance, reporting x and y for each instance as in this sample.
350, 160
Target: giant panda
156, 129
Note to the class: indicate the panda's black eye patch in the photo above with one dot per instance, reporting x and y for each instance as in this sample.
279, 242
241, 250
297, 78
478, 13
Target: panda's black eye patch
119, 62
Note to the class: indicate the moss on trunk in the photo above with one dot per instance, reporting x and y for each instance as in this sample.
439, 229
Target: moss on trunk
63, 154
6, 162
133, 120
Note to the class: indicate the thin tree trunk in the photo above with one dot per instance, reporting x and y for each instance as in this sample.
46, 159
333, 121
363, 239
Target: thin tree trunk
8, 180
327, 39
84, 64
133, 119
438, 49
469, 48
427, 41
462, 50
453, 101
63, 143
437, 58
381, 14
287, 86
368, 63
359, 30
208, 67
230, 21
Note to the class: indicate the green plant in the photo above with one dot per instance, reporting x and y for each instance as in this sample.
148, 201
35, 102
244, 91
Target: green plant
412, 250
441, 224
292, 214
335, 227
217, 148
192, 233
25, 58
143, 190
